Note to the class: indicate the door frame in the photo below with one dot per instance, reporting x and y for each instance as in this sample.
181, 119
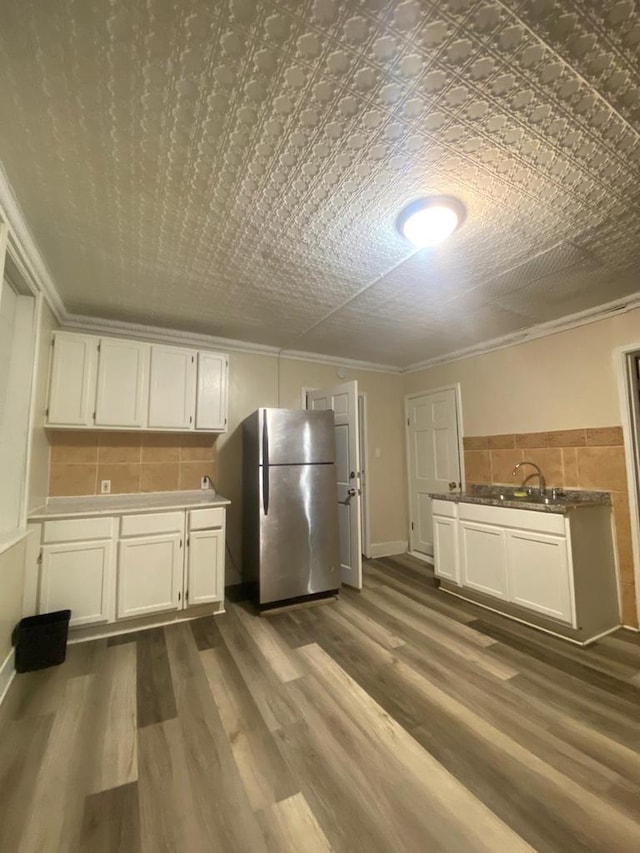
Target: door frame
456, 387
630, 419
363, 438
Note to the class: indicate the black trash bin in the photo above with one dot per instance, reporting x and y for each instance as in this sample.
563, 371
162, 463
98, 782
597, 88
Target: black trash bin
41, 641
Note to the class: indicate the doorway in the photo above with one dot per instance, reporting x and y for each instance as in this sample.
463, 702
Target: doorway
434, 459
628, 374
343, 400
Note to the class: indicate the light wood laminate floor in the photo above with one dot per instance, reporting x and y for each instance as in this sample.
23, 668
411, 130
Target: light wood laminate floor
397, 719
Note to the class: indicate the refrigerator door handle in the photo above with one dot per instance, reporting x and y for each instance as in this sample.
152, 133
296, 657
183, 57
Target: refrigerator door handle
265, 466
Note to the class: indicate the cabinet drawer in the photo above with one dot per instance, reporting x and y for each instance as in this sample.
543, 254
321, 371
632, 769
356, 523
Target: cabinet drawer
446, 508
202, 519
522, 519
153, 522
77, 529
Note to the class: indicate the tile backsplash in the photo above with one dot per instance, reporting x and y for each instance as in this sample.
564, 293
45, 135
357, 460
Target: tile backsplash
134, 462
573, 459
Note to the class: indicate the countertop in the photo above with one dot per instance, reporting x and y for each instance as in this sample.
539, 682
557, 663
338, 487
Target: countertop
119, 504
495, 496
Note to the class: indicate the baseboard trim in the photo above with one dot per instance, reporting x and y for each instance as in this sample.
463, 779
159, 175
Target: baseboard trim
388, 549
424, 557
7, 673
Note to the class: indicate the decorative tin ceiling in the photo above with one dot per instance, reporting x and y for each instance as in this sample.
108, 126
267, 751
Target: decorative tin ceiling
236, 168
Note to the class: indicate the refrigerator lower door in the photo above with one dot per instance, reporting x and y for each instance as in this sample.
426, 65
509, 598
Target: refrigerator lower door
298, 532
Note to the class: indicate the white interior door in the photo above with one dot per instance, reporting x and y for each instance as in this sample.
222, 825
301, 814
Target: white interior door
343, 399
434, 459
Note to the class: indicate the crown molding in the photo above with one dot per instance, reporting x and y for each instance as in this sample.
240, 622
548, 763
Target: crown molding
351, 363
122, 328
543, 330
23, 249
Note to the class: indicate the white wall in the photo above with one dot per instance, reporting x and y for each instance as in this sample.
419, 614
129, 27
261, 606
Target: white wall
39, 462
563, 381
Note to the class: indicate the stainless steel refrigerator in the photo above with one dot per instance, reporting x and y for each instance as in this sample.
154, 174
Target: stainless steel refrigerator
290, 510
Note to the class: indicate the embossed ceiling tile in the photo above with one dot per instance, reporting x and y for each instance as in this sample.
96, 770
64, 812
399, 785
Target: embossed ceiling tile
244, 162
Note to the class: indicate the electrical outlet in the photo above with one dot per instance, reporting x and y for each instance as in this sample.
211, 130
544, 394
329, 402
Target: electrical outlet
105, 487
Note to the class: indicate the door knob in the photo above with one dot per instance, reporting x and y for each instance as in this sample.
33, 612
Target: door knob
352, 492
452, 485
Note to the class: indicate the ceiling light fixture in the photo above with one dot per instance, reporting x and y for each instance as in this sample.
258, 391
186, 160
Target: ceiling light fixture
429, 221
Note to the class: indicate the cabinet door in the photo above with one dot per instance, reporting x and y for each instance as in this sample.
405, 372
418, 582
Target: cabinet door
445, 548
77, 576
122, 383
72, 380
211, 399
539, 573
149, 575
172, 388
483, 557
205, 575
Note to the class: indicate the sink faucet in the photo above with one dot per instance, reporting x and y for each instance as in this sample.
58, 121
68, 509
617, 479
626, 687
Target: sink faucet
541, 488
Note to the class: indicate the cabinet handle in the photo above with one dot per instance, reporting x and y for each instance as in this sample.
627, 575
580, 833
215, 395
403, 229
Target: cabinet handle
181, 543
179, 596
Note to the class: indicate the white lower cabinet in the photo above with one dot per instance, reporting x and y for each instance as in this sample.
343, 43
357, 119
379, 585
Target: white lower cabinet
154, 571
540, 573
483, 557
445, 547
149, 575
77, 576
205, 567
490, 550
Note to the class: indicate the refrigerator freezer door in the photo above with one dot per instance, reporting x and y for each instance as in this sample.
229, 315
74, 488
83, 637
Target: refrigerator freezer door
296, 437
298, 532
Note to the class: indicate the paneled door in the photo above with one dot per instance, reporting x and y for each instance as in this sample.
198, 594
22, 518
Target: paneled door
433, 458
343, 399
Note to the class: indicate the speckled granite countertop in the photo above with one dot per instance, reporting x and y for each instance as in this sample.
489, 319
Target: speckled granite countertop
496, 496
119, 504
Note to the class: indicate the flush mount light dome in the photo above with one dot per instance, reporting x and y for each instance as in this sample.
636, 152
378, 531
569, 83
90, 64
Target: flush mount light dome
429, 221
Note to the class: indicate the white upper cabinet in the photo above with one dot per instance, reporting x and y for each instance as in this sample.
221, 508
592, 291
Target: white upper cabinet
211, 400
123, 373
172, 388
72, 384
119, 383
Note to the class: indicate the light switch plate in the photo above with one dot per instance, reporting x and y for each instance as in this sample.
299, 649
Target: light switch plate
105, 487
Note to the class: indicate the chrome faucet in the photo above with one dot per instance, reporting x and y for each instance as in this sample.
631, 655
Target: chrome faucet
542, 484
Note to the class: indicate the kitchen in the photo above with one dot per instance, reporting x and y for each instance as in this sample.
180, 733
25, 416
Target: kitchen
547, 391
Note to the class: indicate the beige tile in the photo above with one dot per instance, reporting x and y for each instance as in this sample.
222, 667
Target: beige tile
502, 464
475, 442
73, 446
549, 460
624, 547
119, 447
161, 447
532, 439
601, 468
501, 442
197, 452
477, 466
124, 476
191, 472
570, 467
160, 477
567, 438
629, 611
609, 436
71, 479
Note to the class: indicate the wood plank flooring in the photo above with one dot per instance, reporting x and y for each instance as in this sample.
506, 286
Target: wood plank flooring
397, 719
